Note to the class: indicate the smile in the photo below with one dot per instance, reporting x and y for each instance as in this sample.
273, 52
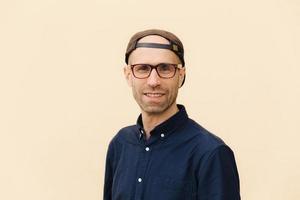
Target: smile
153, 94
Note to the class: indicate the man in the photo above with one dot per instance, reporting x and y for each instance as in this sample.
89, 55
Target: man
166, 155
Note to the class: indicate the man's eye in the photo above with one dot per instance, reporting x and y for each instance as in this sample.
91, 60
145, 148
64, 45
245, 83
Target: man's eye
142, 68
164, 67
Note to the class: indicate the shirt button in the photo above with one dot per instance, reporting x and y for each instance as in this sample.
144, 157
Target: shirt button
162, 135
142, 131
139, 180
147, 148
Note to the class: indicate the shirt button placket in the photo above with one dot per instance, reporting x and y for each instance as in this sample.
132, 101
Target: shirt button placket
139, 188
143, 162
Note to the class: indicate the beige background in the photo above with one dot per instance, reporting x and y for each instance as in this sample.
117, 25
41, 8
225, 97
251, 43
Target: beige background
63, 96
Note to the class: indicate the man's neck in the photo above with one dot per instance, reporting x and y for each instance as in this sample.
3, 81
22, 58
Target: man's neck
150, 121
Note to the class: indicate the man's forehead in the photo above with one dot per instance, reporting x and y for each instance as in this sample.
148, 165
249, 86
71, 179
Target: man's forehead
154, 39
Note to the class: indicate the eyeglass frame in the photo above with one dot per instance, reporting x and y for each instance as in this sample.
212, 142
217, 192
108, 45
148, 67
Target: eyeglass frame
176, 66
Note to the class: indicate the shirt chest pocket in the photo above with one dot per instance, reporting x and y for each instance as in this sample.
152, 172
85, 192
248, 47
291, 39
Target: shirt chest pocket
171, 189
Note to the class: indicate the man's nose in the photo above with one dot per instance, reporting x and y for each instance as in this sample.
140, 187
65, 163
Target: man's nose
153, 80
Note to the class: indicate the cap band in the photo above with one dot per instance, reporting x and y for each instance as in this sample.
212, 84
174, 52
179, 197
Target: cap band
172, 47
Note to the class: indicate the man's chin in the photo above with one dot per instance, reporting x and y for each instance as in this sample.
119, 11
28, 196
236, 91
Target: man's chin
153, 109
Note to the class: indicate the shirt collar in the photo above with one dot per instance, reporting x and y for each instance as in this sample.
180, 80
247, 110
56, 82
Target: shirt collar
168, 126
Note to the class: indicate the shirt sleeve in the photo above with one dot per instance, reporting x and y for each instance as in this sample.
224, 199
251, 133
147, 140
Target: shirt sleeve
218, 177
108, 178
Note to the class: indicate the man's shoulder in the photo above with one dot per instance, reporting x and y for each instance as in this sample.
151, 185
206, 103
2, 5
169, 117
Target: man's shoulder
127, 133
203, 138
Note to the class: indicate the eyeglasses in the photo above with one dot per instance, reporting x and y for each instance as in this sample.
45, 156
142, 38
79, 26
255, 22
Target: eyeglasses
164, 70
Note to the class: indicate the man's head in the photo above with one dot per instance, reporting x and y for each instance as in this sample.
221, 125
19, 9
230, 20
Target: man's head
155, 69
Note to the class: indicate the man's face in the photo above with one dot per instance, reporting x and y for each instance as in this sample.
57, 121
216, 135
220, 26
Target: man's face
154, 95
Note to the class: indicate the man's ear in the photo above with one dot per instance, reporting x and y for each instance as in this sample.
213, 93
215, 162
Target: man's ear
127, 74
181, 76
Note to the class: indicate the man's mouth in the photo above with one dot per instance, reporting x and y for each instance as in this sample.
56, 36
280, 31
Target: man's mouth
153, 94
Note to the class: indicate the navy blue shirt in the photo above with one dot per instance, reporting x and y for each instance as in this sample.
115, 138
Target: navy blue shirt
180, 161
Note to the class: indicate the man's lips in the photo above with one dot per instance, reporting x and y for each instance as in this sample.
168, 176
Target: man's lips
154, 94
